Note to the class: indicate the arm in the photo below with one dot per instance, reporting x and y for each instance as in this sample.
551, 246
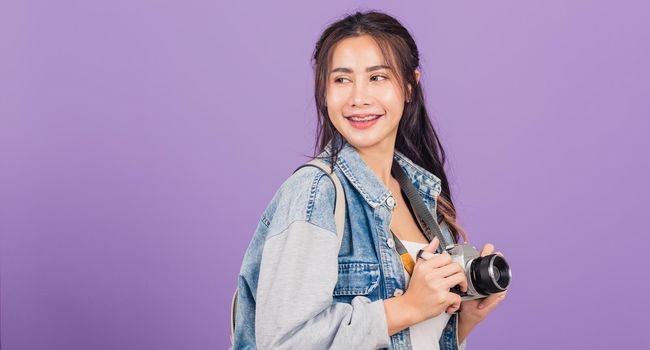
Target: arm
463, 330
295, 308
399, 314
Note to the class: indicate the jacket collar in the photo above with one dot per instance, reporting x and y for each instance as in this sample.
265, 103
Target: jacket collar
369, 185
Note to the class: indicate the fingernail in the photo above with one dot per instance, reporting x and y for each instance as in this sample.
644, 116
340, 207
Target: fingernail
480, 306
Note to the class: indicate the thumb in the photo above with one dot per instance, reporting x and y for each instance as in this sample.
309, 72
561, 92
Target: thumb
431, 248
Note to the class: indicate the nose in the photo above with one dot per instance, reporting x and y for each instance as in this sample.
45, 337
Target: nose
359, 95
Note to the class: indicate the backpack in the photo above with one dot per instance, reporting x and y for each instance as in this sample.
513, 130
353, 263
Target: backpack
339, 219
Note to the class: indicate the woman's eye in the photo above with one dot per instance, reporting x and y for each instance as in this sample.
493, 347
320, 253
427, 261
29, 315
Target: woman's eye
379, 76
339, 80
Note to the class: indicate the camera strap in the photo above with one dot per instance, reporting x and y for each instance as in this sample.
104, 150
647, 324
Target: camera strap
404, 255
424, 217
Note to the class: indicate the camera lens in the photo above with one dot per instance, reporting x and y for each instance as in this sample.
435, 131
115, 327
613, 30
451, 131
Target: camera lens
490, 274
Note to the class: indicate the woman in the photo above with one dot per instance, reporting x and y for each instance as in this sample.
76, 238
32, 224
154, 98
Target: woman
296, 288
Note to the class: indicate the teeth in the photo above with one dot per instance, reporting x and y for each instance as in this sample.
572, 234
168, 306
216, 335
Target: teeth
370, 117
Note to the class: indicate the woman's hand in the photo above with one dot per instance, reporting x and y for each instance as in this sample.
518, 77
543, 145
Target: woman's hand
428, 289
474, 311
428, 292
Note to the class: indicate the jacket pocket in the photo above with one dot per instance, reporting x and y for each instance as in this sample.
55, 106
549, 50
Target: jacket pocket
357, 279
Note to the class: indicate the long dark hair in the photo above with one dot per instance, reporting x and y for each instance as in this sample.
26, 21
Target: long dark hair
416, 137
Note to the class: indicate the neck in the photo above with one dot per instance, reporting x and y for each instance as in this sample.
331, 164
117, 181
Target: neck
379, 158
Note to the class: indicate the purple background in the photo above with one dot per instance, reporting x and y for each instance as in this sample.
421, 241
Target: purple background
140, 142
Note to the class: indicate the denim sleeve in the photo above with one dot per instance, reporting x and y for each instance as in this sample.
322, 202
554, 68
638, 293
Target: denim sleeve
295, 307
449, 337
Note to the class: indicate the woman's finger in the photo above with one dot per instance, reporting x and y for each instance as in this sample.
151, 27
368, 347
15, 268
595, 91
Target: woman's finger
488, 248
450, 270
454, 301
451, 309
491, 300
456, 279
488, 308
436, 261
429, 249
432, 246
446, 270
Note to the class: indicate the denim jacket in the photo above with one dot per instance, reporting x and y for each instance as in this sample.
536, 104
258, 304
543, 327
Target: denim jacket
298, 290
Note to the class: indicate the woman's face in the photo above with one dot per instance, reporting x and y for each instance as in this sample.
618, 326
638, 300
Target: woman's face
364, 98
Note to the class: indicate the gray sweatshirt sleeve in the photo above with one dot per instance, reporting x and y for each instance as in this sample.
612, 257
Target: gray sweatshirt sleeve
295, 308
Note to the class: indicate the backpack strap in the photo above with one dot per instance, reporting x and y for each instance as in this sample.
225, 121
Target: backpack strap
339, 197
339, 220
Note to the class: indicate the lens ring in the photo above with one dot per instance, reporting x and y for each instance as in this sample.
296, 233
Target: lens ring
504, 276
491, 272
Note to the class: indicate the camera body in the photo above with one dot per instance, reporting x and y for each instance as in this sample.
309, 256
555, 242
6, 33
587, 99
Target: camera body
485, 275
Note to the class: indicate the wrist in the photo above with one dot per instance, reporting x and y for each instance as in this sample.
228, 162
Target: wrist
400, 314
465, 326
466, 319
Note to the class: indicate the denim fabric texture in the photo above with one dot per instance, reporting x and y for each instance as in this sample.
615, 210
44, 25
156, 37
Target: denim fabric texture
293, 294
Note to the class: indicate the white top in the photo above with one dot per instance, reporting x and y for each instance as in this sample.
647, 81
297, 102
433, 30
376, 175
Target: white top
426, 334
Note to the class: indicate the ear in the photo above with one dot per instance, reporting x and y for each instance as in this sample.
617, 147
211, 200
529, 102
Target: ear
417, 81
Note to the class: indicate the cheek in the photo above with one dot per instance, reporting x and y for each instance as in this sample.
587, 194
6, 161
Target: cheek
391, 98
335, 98
335, 102
333, 109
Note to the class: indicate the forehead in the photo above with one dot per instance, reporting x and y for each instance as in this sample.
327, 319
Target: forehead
357, 51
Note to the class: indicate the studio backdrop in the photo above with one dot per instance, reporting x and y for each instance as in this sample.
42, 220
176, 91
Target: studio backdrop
141, 140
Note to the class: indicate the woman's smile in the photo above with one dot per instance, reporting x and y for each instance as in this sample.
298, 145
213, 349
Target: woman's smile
365, 121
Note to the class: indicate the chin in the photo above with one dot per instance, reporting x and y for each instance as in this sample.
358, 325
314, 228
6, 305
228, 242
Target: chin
363, 141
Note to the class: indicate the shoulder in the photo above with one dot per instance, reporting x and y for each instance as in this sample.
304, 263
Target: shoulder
306, 195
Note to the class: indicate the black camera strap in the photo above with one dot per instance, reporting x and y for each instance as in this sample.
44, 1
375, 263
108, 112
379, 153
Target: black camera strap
424, 217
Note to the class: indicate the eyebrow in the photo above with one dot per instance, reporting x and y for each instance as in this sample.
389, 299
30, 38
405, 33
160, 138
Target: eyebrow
369, 69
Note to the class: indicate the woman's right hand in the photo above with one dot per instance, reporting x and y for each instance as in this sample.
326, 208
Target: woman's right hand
428, 290
428, 294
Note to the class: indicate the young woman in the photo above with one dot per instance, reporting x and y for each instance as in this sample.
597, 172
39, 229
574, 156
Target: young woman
297, 289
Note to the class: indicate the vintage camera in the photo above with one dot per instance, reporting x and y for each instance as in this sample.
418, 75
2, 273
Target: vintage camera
485, 275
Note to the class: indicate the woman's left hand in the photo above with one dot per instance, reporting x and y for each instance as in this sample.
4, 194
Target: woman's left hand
474, 311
